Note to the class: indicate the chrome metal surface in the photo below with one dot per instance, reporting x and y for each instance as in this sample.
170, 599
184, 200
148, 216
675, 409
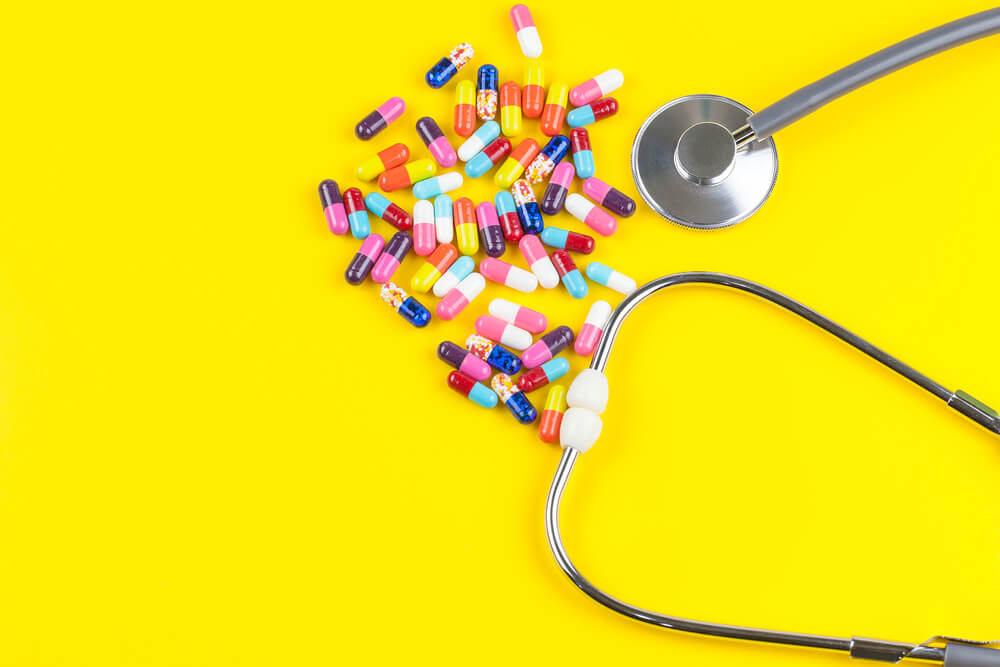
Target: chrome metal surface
743, 136
705, 153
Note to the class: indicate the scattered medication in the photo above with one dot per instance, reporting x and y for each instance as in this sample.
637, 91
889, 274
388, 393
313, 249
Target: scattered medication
600, 86
444, 228
614, 200
510, 109
495, 355
466, 229
357, 214
508, 275
333, 207
591, 214
408, 308
479, 140
547, 347
465, 109
364, 260
502, 332
459, 358
552, 413
571, 277
514, 166
424, 231
514, 399
593, 328
543, 164
433, 268
437, 185
407, 174
487, 158
379, 119
548, 372
592, 112
462, 267
438, 145
567, 240
393, 156
583, 156
539, 262
490, 232
510, 222
392, 256
525, 318
527, 207
533, 93
477, 392
558, 188
605, 275
487, 92
554, 112
448, 66
391, 213
527, 33
460, 296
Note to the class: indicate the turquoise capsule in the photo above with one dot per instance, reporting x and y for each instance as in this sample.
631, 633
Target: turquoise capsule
360, 226
605, 275
554, 237
478, 165
483, 395
436, 185
580, 117
555, 368
377, 203
575, 284
584, 163
455, 274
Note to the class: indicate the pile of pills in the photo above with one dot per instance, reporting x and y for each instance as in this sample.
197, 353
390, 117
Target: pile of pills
448, 230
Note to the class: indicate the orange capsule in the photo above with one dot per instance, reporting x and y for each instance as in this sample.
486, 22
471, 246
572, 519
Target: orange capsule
533, 94
466, 227
516, 163
434, 267
552, 414
554, 112
393, 156
510, 109
407, 174
465, 109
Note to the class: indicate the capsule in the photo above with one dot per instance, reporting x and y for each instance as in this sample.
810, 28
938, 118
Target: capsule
444, 230
605, 275
537, 378
393, 156
394, 253
485, 159
543, 164
593, 327
552, 413
558, 188
391, 213
502, 332
527, 33
407, 174
364, 260
495, 355
490, 233
460, 296
437, 185
438, 144
567, 240
571, 277
507, 213
508, 275
520, 158
357, 214
539, 262
591, 214
458, 357
601, 85
487, 92
614, 200
547, 347
583, 156
477, 392
465, 109
480, 139
466, 230
379, 119
514, 399
409, 308
554, 112
433, 268
516, 314
333, 207
424, 233
462, 267
448, 66
510, 109
527, 207
592, 112
533, 93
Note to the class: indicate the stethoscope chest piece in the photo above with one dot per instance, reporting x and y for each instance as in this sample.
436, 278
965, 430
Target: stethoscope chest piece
688, 168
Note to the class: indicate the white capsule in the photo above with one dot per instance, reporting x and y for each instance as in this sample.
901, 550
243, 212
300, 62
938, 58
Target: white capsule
605, 275
454, 275
508, 275
502, 332
527, 33
481, 138
546, 273
443, 220
424, 233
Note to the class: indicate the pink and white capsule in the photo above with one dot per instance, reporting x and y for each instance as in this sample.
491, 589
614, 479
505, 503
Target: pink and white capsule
455, 301
593, 328
527, 33
508, 275
424, 231
530, 320
506, 334
600, 86
590, 214
539, 261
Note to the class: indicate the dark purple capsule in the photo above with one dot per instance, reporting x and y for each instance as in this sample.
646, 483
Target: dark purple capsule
554, 198
364, 260
379, 119
390, 259
614, 200
458, 357
333, 207
490, 231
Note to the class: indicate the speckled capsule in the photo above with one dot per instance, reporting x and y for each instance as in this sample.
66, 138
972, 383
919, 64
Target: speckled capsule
490, 232
362, 263
408, 308
510, 222
379, 119
447, 67
608, 197
527, 207
546, 160
440, 148
495, 355
513, 398
558, 188
487, 92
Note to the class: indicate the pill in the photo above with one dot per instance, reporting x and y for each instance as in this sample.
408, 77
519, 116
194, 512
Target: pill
536, 378
518, 315
507, 214
485, 159
379, 119
502, 332
465, 108
513, 398
567, 240
538, 261
554, 112
490, 232
357, 214
495, 355
385, 209
462, 267
460, 296
547, 347
409, 308
508, 275
591, 214
438, 145
593, 328
466, 229
571, 277
458, 357
614, 200
527, 33
552, 413
424, 232
444, 228
433, 267
558, 188
333, 207
437, 185
487, 92
477, 392
515, 164
527, 207
407, 174
393, 254
362, 263
605, 275
546, 160
393, 156
479, 140
601, 85
583, 156
448, 66
510, 109
593, 112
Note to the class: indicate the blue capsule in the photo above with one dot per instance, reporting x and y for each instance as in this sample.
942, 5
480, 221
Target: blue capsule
408, 308
513, 398
556, 149
448, 66
487, 87
527, 207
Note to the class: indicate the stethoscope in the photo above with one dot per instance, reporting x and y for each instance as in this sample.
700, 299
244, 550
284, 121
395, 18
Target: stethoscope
706, 161
581, 426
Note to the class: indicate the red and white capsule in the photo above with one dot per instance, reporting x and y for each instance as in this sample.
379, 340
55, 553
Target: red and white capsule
592, 329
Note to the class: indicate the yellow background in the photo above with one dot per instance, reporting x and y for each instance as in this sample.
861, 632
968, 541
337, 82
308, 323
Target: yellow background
216, 452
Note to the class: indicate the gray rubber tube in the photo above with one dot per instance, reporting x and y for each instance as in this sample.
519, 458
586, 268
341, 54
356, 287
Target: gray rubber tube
958, 655
804, 101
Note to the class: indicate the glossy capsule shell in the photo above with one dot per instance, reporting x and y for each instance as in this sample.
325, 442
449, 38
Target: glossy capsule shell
379, 119
479, 140
601, 85
438, 145
357, 214
466, 228
527, 33
394, 253
514, 399
408, 308
547, 159
508, 275
547, 347
557, 189
393, 156
464, 122
485, 159
503, 332
447, 67
554, 112
461, 359
495, 355
538, 261
434, 267
444, 228
391, 213
605, 275
552, 413
567, 240
407, 174
476, 392
571, 277
490, 232
333, 207
593, 328
510, 109
533, 92
507, 214
593, 112
583, 155
514, 166
591, 214
458, 271
530, 320
460, 296
487, 92
437, 185
614, 200
424, 231
536, 378
362, 263
527, 207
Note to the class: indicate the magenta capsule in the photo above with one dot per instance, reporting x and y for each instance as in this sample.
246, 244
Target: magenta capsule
557, 189
379, 119
547, 347
538, 261
508, 275
460, 358
333, 207
395, 251
530, 320
506, 334
364, 260
424, 231
593, 328
608, 197
432, 136
490, 232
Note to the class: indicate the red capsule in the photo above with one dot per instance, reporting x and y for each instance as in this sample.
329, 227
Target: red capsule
354, 201
563, 262
579, 139
580, 243
497, 150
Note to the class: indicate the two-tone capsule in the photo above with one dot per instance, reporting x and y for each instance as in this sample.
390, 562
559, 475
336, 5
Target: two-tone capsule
444, 228
503, 332
408, 308
515, 165
447, 67
407, 174
547, 347
614, 200
546, 160
520, 316
479, 140
495, 355
600, 86
536, 378
527, 207
554, 112
477, 392
466, 229
533, 92
465, 109
433, 267
461, 359
437, 185
508, 275
591, 214
571, 277
510, 109
593, 328
386, 159
510, 222
605, 275
378, 204
490, 232
593, 112
527, 33
487, 92
567, 240
424, 231
357, 214
552, 413
438, 145
558, 188
583, 155
458, 271
487, 158
362, 263
333, 207
379, 119
460, 296
392, 256
513, 398
538, 261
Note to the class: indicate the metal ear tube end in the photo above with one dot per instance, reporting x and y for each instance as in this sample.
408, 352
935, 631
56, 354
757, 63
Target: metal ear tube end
743, 136
975, 410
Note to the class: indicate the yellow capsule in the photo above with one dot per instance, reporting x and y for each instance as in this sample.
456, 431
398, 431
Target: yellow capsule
510, 109
407, 174
393, 156
465, 109
434, 267
554, 112
516, 163
466, 228
533, 94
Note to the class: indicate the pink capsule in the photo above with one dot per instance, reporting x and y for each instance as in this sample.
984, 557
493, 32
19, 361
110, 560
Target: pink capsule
538, 261
591, 214
601, 85
455, 301
424, 231
507, 275
436, 142
506, 334
516, 314
592, 329
608, 197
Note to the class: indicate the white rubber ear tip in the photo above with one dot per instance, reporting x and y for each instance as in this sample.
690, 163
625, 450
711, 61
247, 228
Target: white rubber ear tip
589, 390
580, 429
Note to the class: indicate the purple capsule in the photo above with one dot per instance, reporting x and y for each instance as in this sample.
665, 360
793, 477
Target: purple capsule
395, 251
333, 207
362, 264
490, 231
558, 188
614, 200
379, 119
